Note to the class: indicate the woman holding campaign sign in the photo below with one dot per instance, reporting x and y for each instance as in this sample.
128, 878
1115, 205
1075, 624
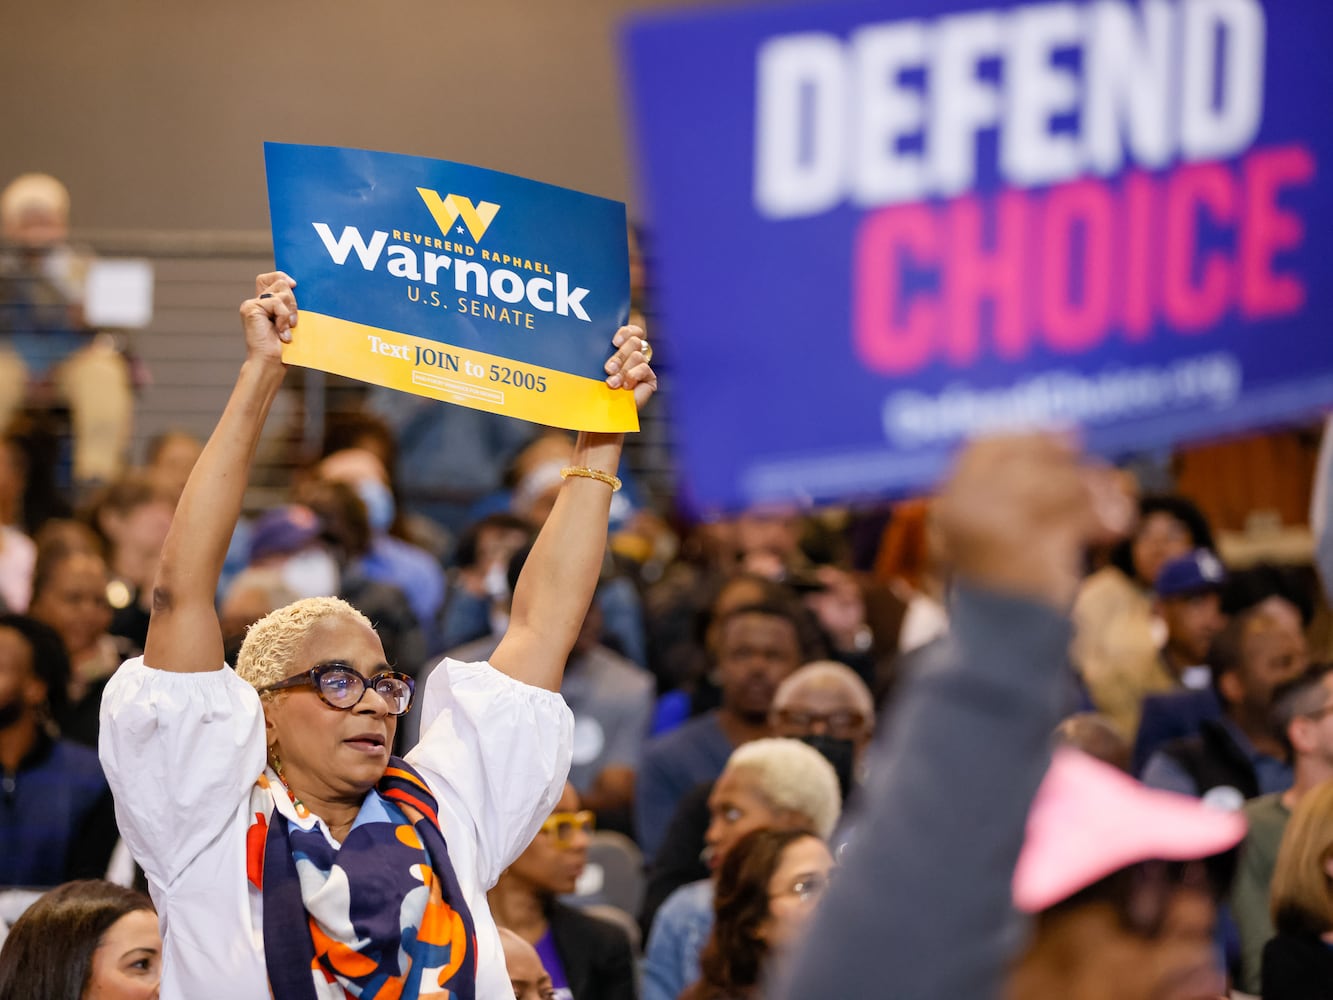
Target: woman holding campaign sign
288, 853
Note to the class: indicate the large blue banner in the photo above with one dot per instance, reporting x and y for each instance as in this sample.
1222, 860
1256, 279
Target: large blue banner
882, 227
452, 281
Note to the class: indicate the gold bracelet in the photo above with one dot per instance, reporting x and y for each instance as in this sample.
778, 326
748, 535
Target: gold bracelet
586, 473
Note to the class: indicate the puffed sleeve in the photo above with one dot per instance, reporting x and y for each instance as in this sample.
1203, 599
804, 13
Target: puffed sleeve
499, 750
181, 752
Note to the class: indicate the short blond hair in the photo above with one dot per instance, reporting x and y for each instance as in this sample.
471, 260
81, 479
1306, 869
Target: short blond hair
794, 776
272, 644
1302, 901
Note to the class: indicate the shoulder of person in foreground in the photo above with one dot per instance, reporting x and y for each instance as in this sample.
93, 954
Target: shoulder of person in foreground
972, 738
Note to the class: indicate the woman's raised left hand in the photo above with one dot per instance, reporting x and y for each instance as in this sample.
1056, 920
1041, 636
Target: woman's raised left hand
629, 367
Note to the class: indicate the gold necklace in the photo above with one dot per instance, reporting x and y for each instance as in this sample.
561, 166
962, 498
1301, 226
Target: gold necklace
276, 762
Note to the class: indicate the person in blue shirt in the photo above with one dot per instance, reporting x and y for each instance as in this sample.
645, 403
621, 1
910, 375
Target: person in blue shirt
1239, 755
57, 820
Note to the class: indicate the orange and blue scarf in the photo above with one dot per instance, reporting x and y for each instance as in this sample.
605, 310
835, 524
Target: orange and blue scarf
380, 918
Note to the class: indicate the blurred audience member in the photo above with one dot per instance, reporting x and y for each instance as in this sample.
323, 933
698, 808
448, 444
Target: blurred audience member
768, 543
587, 958
823, 704
827, 705
767, 888
18, 553
43, 334
169, 459
1189, 603
86, 940
527, 976
388, 560
758, 646
313, 545
612, 702
1303, 713
363, 430
69, 593
535, 476
909, 562
1298, 962
1238, 755
837, 601
57, 821
1116, 636
449, 457
683, 622
1182, 712
769, 783
253, 593
132, 517
476, 600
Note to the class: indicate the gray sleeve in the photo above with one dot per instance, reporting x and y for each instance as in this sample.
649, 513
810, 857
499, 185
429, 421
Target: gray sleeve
624, 744
1249, 908
922, 908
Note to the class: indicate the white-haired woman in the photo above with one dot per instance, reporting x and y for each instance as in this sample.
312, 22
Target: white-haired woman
288, 854
769, 783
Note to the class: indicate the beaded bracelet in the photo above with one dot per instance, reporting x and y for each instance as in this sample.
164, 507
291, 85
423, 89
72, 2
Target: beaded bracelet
587, 473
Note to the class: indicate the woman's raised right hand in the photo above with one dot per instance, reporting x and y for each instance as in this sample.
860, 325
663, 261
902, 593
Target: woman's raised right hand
269, 317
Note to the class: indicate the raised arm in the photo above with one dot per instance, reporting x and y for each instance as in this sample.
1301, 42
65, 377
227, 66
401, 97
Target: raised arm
558, 579
184, 634
925, 885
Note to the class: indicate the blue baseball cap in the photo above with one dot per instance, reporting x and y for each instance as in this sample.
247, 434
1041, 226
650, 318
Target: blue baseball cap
1196, 573
283, 530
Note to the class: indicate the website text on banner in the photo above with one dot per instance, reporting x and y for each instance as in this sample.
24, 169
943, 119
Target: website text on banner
949, 217
454, 282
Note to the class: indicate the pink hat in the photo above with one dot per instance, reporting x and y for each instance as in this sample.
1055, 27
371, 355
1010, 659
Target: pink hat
1090, 819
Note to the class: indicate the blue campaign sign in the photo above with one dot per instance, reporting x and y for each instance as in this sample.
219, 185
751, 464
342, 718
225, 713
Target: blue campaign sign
882, 227
451, 281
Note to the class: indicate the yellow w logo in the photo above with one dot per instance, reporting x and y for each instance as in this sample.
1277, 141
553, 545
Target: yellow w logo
452, 207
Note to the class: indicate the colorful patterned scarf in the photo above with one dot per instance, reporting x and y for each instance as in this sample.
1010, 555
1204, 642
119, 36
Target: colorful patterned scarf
380, 918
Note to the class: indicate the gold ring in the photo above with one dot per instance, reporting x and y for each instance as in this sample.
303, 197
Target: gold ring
646, 349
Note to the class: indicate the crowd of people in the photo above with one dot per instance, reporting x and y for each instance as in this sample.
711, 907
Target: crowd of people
1028, 737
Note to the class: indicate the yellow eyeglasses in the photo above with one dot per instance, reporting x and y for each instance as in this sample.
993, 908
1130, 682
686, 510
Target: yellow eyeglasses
563, 826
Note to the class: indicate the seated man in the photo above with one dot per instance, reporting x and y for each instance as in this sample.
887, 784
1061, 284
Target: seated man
774, 783
1303, 712
824, 704
756, 647
42, 333
1237, 756
1189, 604
57, 820
1176, 714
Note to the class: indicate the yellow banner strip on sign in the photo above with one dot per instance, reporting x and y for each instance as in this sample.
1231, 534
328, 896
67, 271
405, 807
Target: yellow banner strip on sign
458, 375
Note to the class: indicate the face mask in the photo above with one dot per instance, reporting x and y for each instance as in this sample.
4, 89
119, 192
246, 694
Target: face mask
496, 582
311, 573
378, 499
840, 753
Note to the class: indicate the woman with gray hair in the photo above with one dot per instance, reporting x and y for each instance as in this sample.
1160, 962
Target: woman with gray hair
767, 784
288, 854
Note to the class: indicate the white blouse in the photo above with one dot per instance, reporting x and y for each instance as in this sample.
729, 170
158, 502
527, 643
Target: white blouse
182, 752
